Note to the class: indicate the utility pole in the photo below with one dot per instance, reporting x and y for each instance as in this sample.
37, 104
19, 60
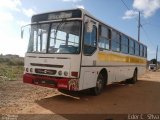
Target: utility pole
156, 56
139, 25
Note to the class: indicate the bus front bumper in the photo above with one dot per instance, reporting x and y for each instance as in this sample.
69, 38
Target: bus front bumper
52, 82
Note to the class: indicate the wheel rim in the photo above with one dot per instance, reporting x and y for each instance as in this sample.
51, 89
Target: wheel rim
99, 85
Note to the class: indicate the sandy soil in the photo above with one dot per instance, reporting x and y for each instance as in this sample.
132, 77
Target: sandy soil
39, 102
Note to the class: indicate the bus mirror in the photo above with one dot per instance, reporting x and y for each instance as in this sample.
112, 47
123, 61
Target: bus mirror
23, 28
89, 27
22, 31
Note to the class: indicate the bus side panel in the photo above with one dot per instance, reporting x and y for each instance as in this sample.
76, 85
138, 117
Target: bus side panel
111, 75
89, 77
141, 70
120, 74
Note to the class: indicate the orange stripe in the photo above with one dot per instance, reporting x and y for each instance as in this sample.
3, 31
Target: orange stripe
110, 57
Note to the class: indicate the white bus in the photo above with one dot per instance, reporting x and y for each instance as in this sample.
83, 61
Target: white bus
72, 50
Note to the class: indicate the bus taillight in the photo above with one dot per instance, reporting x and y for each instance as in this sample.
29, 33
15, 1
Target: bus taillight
75, 74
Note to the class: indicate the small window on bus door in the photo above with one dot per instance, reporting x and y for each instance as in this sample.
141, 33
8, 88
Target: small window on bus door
115, 42
90, 41
104, 37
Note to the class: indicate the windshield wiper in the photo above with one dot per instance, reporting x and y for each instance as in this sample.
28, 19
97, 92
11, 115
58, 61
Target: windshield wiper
55, 33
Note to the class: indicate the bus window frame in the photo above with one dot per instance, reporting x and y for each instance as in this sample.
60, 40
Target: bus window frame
94, 26
109, 35
130, 39
136, 42
119, 37
126, 37
48, 38
141, 52
145, 51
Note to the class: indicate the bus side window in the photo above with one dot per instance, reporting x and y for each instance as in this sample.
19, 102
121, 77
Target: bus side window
115, 42
137, 48
131, 47
141, 50
104, 37
90, 41
145, 52
124, 44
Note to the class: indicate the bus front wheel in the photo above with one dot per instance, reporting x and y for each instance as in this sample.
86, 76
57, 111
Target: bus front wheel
99, 85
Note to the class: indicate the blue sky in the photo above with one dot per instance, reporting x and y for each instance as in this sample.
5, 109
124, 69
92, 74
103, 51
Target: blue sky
15, 13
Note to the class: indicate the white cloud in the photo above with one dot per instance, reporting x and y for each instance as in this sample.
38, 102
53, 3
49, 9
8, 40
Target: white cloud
10, 27
28, 12
71, 0
12, 44
16, 5
147, 7
80, 6
130, 14
11, 4
5, 17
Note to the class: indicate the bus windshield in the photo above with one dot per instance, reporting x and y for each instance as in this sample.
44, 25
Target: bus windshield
55, 38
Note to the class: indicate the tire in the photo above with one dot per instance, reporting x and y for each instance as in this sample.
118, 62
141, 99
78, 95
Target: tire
133, 80
99, 85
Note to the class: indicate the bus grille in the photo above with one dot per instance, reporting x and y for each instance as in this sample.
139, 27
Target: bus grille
46, 71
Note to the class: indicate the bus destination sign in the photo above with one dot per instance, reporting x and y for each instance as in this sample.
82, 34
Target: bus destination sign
61, 15
57, 15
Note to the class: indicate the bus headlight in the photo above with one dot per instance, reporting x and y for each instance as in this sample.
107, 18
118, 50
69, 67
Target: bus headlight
66, 73
31, 69
27, 70
60, 73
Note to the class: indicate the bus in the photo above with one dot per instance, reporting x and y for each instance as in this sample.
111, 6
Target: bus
72, 50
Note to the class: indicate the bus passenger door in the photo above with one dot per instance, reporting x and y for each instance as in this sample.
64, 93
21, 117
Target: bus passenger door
89, 53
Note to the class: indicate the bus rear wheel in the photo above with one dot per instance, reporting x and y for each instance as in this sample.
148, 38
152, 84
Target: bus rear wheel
133, 80
99, 85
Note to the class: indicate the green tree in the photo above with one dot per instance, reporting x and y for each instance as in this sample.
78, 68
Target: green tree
154, 61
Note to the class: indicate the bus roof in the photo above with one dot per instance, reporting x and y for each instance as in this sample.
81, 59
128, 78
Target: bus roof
112, 28
85, 12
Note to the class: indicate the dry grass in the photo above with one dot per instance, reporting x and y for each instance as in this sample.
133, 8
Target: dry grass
10, 69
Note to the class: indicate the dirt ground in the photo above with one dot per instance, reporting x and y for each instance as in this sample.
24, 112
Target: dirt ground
34, 102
